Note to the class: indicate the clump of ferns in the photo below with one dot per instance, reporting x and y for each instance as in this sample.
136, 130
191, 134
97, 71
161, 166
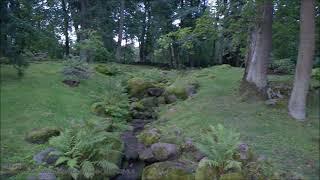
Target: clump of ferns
88, 150
220, 145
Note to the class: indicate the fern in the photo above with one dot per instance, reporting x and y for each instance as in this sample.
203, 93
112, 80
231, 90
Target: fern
219, 145
86, 149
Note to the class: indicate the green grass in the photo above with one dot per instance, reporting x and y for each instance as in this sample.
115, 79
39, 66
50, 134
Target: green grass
40, 99
270, 131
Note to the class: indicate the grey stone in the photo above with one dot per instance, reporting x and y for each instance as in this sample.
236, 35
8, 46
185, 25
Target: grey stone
164, 151
155, 91
46, 156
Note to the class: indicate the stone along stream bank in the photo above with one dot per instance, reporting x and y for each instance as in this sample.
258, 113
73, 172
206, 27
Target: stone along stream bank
143, 152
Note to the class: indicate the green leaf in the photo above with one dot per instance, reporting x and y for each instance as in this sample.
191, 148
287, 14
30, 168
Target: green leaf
62, 160
87, 169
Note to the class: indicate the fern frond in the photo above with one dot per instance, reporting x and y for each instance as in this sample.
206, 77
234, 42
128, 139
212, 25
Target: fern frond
87, 169
108, 167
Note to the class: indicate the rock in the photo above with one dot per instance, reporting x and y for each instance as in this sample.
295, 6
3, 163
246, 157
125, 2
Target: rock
11, 170
132, 146
205, 171
170, 98
138, 106
40, 136
137, 86
149, 136
271, 102
179, 91
164, 151
149, 102
155, 91
168, 170
143, 115
191, 90
245, 152
232, 176
147, 156
48, 156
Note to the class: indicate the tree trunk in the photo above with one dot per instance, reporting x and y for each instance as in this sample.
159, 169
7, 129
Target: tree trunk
298, 98
121, 21
66, 26
143, 34
260, 48
84, 26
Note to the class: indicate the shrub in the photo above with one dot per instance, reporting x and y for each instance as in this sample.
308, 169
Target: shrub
75, 69
282, 66
106, 70
220, 145
88, 150
316, 73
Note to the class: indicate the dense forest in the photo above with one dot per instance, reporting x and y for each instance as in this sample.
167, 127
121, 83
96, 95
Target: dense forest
153, 74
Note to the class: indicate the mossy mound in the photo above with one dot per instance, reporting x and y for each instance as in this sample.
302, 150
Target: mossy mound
106, 70
40, 136
167, 170
150, 136
205, 171
232, 176
137, 86
182, 88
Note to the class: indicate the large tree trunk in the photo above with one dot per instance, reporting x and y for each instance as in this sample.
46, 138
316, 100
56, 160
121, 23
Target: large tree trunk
260, 48
121, 22
66, 26
84, 26
143, 34
297, 102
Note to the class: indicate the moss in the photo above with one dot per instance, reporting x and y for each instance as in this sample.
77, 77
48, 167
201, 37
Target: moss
167, 170
232, 176
316, 73
179, 91
116, 155
40, 136
149, 137
137, 86
137, 106
205, 171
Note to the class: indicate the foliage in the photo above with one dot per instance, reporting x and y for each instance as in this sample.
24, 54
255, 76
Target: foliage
93, 45
114, 102
316, 73
107, 69
87, 149
282, 66
220, 145
75, 69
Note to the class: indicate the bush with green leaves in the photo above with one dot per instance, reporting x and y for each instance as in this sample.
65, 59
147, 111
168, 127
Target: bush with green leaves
316, 73
94, 47
113, 103
108, 70
89, 150
76, 69
220, 145
282, 66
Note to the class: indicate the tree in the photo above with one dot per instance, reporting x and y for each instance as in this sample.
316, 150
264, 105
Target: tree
297, 102
120, 32
66, 25
260, 48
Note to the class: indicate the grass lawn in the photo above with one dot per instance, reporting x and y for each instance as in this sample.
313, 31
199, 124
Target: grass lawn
37, 100
270, 131
40, 100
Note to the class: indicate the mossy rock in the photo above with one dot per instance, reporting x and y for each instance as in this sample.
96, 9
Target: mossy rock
137, 86
98, 108
42, 135
178, 91
205, 171
232, 176
137, 106
11, 170
150, 136
106, 70
149, 102
116, 155
168, 170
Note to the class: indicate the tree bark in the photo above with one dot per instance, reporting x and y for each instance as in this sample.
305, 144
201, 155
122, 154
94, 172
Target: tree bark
121, 22
66, 26
84, 26
260, 48
143, 34
298, 98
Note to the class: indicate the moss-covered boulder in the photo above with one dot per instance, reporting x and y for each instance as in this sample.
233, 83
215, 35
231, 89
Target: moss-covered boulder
138, 106
182, 88
106, 70
168, 170
205, 171
149, 136
138, 86
232, 176
178, 91
164, 151
149, 102
42, 135
11, 170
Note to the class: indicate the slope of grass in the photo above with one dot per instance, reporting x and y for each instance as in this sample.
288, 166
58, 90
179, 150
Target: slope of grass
270, 131
40, 99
